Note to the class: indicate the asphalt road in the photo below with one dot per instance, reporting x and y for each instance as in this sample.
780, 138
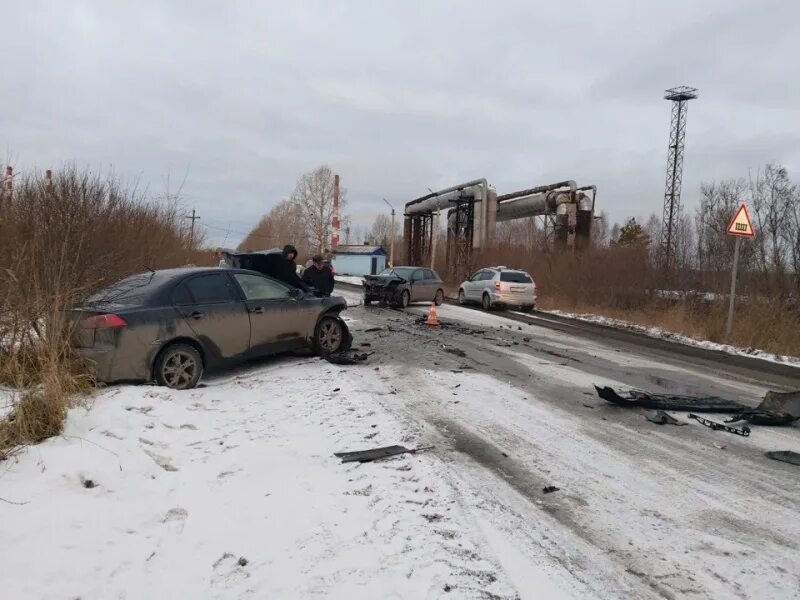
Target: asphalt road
642, 510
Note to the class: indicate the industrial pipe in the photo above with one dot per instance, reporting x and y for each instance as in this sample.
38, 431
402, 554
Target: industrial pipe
537, 190
532, 205
419, 205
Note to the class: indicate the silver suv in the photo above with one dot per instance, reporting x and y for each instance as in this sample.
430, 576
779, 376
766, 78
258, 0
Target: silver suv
499, 286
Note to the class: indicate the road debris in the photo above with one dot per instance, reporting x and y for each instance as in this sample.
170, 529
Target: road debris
787, 456
719, 446
372, 454
456, 351
744, 431
347, 357
549, 489
775, 409
707, 404
662, 418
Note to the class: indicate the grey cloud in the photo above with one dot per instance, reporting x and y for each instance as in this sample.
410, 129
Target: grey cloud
398, 96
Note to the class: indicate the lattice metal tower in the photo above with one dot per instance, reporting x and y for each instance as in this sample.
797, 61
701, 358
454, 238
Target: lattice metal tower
672, 194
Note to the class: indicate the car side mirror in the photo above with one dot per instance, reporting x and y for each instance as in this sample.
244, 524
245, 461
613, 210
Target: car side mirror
295, 293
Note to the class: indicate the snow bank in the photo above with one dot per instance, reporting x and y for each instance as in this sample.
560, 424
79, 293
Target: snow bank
351, 279
657, 332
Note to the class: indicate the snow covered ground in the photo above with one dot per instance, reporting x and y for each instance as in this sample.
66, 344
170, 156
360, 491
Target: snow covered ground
232, 490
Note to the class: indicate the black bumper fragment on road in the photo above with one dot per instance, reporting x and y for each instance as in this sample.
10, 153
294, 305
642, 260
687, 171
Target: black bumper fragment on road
662, 418
775, 409
787, 456
707, 404
363, 456
744, 431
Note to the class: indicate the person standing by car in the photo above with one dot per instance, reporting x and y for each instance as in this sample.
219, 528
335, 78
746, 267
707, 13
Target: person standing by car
319, 276
283, 268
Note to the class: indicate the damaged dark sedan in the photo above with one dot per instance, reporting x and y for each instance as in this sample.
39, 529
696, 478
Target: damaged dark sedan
171, 326
400, 286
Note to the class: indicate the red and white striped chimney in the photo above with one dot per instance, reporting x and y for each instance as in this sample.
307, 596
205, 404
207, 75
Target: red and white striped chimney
335, 218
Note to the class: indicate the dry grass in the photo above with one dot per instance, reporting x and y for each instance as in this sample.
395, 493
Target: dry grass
57, 245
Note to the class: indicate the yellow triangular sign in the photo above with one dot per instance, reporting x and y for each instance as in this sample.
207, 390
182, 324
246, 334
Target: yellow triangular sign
740, 224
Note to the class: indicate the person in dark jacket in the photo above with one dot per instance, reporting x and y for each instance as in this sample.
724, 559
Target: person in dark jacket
283, 268
319, 276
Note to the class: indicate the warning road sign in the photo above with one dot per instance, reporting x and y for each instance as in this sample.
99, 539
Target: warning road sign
740, 224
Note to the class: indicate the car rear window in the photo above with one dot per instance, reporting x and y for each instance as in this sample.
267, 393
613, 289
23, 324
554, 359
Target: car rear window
132, 291
515, 277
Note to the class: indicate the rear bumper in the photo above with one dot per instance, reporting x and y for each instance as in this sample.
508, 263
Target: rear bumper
514, 300
107, 367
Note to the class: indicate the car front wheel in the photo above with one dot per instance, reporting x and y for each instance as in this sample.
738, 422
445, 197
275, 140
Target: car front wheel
405, 299
179, 367
329, 336
462, 297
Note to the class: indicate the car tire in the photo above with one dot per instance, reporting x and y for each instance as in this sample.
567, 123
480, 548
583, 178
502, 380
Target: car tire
179, 367
527, 309
405, 299
367, 300
438, 299
486, 302
462, 297
329, 336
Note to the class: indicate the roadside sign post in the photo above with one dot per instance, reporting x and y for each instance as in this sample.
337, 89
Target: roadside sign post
740, 226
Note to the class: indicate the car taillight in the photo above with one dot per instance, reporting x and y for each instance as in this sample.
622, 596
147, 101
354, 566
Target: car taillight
108, 321
497, 285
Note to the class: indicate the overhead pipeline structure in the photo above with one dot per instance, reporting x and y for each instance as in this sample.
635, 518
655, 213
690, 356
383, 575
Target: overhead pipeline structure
473, 209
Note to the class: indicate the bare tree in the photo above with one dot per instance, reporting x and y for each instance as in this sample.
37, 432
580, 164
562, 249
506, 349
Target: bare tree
284, 224
313, 194
601, 229
381, 231
718, 203
772, 198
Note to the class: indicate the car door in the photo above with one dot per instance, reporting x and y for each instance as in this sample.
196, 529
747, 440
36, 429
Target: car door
211, 307
471, 286
278, 321
418, 285
431, 284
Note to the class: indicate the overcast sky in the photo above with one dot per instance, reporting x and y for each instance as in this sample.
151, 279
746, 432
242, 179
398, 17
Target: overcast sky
398, 96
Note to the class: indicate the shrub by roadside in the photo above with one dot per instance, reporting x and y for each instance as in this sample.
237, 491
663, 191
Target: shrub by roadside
58, 244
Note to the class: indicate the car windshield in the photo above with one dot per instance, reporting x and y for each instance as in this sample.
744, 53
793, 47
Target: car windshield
515, 277
404, 272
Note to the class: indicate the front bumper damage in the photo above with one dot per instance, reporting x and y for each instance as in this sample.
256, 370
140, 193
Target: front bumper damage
383, 290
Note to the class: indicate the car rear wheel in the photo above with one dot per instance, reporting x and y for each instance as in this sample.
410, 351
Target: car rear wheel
367, 300
527, 309
462, 297
486, 302
405, 299
438, 300
179, 367
329, 336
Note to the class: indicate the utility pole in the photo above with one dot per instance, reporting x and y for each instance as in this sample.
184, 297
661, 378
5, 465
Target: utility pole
391, 250
191, 231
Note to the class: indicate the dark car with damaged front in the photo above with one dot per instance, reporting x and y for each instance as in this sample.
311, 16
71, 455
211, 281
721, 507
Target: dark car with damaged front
400, 286
170, 326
